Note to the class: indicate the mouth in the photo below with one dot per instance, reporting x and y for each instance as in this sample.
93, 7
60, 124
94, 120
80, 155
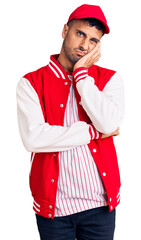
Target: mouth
80, 54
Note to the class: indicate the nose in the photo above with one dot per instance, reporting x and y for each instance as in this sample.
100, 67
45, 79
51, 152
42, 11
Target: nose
84, 45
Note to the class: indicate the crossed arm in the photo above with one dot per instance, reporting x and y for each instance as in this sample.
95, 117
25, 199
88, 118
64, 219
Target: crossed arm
39, 136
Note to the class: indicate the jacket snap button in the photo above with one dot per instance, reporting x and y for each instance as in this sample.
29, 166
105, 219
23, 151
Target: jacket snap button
52, 180
104, 174
66, 83
110, 199
111, 207
50, 215
80, 103
94, 150
61, 105
50, 206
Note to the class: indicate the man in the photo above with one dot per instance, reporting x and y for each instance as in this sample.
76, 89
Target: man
68, 113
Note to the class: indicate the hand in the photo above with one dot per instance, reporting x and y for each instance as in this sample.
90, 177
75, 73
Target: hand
116, 133
89, 59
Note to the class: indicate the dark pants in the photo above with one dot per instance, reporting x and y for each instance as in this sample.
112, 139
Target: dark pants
93, 224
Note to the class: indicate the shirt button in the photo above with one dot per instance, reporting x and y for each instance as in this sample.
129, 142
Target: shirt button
61, 105
94, 150
50, 206
66, 83
80, 103
50, 215
54, 155
52, 180
104, 174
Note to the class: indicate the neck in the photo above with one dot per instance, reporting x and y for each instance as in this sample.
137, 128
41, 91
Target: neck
65, 62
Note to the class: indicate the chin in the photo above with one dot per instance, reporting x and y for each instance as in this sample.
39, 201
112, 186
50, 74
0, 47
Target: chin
73, 59
76, 58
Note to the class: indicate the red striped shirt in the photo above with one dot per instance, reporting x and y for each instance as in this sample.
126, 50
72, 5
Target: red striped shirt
79, 186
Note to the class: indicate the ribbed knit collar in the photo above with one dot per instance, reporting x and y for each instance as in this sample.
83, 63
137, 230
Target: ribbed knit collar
56, 68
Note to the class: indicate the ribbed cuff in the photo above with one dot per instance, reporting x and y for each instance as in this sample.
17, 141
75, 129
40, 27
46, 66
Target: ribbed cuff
80, 74
94, 133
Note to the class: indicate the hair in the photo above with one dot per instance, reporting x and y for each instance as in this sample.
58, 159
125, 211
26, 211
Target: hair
92, 22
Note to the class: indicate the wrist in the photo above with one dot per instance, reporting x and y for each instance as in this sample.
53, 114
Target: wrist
94, 134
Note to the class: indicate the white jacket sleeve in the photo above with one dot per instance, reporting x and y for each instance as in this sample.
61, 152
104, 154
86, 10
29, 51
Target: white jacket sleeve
39, 136
105, 108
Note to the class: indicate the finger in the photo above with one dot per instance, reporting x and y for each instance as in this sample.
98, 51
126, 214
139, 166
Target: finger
94, 60
95, 49
98, 46
117, 130
116, 133
98, 55
97, 58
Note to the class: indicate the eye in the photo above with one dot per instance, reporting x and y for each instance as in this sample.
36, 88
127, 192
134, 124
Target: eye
80, 34
95, 41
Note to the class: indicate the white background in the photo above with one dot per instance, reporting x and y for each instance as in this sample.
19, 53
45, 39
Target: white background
30, 32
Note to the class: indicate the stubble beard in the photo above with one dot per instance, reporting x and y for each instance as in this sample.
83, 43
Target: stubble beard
73, 59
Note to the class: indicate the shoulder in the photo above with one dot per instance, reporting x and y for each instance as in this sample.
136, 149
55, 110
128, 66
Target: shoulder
37, 77
101, 75
35, 74
101, 71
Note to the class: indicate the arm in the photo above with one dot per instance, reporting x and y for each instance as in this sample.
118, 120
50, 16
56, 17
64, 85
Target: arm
37, 135
106, 108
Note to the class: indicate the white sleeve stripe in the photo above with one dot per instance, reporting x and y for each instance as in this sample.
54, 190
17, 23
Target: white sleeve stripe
83, 76
97, 134
93, 134
82, 71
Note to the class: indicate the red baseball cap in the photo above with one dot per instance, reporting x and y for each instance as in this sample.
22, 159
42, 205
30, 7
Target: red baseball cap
90, 11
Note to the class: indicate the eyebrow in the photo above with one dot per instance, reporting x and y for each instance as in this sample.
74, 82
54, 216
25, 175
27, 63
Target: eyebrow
92, 39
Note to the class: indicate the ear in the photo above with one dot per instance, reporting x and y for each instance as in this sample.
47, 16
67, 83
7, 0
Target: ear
65, 30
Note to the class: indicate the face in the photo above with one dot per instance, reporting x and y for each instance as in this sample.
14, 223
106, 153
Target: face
79, 39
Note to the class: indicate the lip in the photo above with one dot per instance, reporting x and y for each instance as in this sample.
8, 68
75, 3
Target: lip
80, 53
